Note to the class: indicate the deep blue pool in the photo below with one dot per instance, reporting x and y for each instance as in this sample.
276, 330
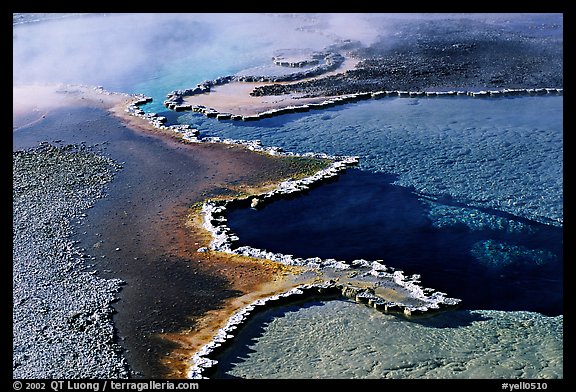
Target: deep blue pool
490, 259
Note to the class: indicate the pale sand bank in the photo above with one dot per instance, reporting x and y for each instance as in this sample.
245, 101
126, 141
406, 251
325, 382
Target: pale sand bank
235, 98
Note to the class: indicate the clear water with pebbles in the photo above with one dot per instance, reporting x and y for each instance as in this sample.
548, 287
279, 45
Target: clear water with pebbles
340, 339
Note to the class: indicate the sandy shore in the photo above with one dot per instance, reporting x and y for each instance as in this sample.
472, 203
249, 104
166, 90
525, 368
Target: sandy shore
160, 328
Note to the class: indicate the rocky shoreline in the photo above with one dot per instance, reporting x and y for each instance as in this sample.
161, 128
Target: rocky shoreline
173, 99
438, 57
203, 364
157, 344
445, 53
62, 311
330, 62
363, 278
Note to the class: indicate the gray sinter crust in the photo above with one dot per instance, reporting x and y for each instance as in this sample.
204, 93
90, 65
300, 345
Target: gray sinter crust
60, 310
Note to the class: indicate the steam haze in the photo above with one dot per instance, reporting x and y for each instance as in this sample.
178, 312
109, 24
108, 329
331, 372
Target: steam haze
108, 49
119, 50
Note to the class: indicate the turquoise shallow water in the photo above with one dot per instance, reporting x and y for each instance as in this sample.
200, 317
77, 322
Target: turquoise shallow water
339, 339
500, 153
154, 53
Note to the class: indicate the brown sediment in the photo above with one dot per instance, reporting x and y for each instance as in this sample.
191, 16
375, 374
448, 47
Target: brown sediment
139, 233
392, 295
235, 98
252, 279
147, 232
246, 279
256, 279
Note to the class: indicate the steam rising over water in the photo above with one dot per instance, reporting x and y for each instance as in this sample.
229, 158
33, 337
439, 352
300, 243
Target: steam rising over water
154, 53
491, 155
